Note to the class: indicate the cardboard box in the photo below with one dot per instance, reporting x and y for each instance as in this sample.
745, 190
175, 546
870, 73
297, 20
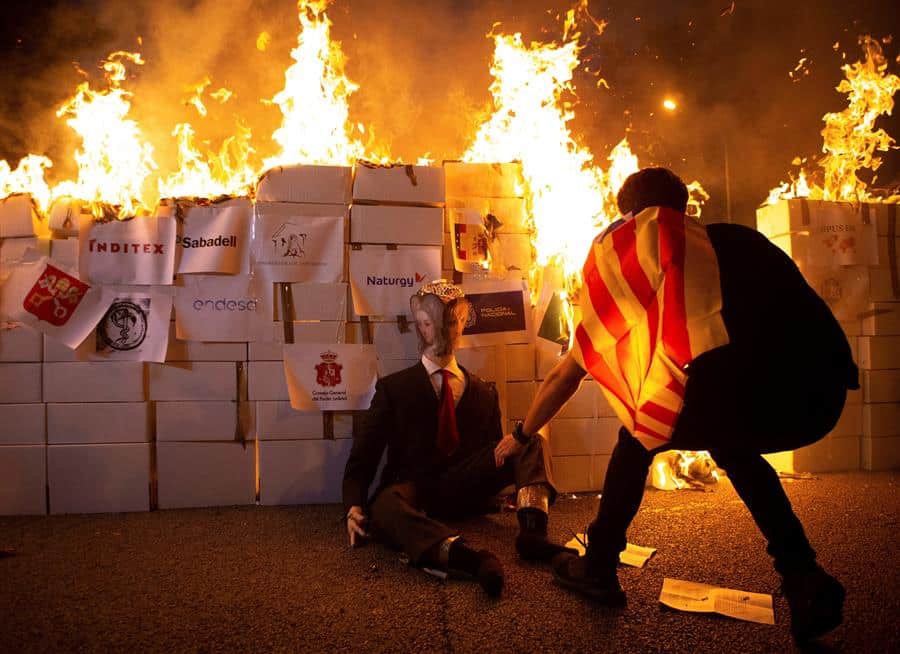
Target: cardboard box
23, 424
20, 383
481, 361
24, 474
205, 421
583, 404
574, 436
316, 302
389, 341
18, 217
392, 224
56, 352
489, 180
519, 396
882, 319
203, 351
509, 212
20, 344
302, 472
278, 421
65, 252
205, 474
831, 454
880, 420
12, 251
400, 183
266, 381
304, 332
194, 381
879, 352
576, 474
305, 184
881, 453
880, 385
850, 422
94, 381
65, 216
101, 422
390, 366
99, 478
520, 362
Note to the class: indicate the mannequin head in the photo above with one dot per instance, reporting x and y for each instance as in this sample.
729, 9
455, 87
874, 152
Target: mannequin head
441, 311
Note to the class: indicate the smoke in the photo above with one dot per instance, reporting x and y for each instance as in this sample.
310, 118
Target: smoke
423, 71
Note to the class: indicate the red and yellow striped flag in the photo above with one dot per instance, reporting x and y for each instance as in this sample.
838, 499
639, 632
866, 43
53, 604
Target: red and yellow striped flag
651, 302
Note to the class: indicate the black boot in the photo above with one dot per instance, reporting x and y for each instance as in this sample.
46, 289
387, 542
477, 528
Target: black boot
532, 543
816, 600
585, 576
482, 565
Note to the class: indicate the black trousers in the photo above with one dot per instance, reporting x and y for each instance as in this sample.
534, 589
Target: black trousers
405, 514
738, 410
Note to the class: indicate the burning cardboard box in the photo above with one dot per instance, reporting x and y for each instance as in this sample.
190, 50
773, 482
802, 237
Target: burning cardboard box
306, 184
398, 184
19, 218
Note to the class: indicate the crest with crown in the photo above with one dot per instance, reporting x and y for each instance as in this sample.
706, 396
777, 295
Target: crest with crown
328, 356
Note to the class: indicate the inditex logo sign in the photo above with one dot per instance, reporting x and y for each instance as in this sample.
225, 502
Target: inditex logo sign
226, 304
402, 281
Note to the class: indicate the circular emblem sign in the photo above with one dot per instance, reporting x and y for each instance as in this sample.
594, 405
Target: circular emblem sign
124, 326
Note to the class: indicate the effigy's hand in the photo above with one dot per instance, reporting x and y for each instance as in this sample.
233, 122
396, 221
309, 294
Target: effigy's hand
507, 447
356, 523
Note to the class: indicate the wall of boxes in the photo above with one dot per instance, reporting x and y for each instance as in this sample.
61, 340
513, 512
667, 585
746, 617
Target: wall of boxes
866, 300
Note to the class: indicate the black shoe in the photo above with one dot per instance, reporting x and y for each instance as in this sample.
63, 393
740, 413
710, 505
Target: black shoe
816, 600
571, 572
490, 573
534, 546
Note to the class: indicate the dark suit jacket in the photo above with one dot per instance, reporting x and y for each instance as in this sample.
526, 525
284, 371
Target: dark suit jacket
403, 417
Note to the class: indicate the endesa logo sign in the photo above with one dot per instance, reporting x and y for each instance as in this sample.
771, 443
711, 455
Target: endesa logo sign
226, 304
221, 241
395, 280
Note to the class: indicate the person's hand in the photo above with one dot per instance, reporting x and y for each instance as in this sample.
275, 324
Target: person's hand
507, 447
356, 523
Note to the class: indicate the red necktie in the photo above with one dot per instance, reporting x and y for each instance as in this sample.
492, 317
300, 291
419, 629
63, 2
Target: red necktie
447, 436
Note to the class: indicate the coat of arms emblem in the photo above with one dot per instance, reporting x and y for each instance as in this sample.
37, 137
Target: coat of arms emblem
328, 373
55, 296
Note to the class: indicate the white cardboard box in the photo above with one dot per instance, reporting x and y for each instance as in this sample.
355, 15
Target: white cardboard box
65, 216
520, 362
392, 224
99, 478
203, 351
510, 212
389, 341
572, 474
20, 383
193, 381
205, 421
880, 420
879, 352
267, 381
481, 361
24, 487
20, 344
302, 472
574, 436
65, 252
23, 424
94, 381
304, 332
519, 396
12, 250
880, 385
305, 183
54, 351
489, 180
831, 454
18, 217
101, 422
882, 319
316, 302
389, 366
278, 421
205, 474
399, 183
881, 453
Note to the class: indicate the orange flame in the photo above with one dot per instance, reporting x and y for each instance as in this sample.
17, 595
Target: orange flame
28, 177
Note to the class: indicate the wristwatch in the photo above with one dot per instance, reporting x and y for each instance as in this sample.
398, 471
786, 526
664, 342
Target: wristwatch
519, 433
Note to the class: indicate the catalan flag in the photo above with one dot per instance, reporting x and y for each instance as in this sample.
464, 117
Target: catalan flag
650, 302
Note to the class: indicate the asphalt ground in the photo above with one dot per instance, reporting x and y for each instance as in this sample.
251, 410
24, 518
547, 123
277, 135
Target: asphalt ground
283, 579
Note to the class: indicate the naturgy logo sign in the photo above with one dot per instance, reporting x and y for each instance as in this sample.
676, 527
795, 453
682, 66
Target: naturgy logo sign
399, 280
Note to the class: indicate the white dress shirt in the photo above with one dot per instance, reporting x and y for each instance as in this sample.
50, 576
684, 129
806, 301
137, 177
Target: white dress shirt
457, 378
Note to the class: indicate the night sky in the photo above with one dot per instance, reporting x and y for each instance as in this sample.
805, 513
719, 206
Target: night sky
423, 69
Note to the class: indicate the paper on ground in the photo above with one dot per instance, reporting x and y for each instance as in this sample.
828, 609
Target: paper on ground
633, 555
703, 598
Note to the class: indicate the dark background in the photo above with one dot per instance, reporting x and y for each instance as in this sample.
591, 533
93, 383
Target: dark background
423, 71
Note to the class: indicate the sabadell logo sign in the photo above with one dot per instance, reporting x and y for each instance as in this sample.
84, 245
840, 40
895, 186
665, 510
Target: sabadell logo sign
219, 241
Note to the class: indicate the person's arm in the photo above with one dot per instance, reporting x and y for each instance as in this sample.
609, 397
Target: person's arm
369, 442
559, 385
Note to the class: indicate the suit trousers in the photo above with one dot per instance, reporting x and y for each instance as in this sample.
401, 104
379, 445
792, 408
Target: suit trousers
405, 514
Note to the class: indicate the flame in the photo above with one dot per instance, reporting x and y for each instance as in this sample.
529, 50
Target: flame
850, 137
114, 159
28, 177
314, 101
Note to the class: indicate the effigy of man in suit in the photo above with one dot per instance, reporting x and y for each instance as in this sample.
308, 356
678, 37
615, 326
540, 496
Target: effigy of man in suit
446, 455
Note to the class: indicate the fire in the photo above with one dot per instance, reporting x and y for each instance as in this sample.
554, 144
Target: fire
114, 159
314, 100
28, 177
850, 138
530, 124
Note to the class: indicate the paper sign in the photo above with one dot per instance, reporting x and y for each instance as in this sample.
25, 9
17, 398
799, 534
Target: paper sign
299, 248
383, 280
634, 555
840, 237
330, 376
135, 327
500, 313
136, 251
215, 238
40, 293
223, 308
703, 598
